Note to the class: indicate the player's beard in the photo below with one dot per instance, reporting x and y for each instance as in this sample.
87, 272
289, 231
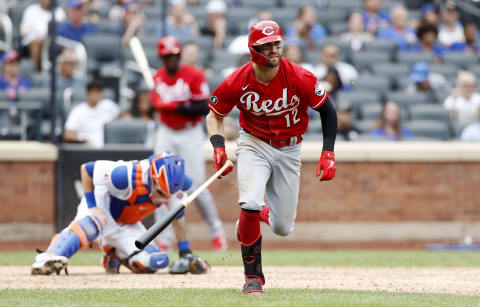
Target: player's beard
274, 62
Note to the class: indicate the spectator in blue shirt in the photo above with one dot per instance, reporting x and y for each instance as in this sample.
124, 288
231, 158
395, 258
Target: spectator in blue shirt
76, 27
11, 81
389, 124
373, 17
399, 31
471, 44
427, 36
306, 27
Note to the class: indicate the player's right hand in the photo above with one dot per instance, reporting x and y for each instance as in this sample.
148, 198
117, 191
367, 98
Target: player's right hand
219, 159
99, 214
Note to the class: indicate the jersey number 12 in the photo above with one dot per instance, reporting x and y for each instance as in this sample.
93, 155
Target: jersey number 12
294, 117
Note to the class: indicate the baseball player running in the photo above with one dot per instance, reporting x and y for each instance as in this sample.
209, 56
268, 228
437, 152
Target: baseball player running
273, 95
181, 95
118, 195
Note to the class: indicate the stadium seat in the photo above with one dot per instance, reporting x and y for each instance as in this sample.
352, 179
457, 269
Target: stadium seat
106, 26
223, 59
103, 50
408, 58
364, 59
347, 5
330, 15
294, 4
448, 70
460, 59
314, 126
235, 17
381, 45
284, 17
214, 81
430, 112
39, 79
336, 28
343, 46
264, 4
429, 128
390, 70
131, 131
365, 125
3, 95
357, 98
475, 69
370, 111
373, 83
404, 99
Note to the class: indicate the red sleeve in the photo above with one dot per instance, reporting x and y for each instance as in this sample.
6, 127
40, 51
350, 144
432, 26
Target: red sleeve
199, 86
313, 91
224, 98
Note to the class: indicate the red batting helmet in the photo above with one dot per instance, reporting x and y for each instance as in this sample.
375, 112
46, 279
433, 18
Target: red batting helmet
261, 33
168, 45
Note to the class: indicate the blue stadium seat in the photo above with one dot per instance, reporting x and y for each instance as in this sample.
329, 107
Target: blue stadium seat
264, 4
327, 16
404, 99
448, 70
408, 58
460, 59
130, 131
381, 45
357, 98
429, 128
103, 50
390, 70
373, 83
336, 28
363, 60
430, 112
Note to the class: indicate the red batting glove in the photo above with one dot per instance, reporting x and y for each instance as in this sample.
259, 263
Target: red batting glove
327, 164
219, 159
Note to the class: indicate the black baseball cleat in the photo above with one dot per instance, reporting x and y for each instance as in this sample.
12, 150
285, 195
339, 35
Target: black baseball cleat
252, 285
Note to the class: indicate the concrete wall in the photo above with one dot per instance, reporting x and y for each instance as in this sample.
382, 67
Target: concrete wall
382, 191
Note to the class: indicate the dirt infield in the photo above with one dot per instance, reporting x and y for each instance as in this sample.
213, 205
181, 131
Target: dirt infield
419, 280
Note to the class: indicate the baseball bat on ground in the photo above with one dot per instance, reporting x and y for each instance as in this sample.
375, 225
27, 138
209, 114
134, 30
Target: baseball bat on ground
142, 62
161, 224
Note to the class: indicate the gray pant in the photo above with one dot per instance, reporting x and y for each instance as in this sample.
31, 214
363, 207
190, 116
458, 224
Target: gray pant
265, 172
188, 144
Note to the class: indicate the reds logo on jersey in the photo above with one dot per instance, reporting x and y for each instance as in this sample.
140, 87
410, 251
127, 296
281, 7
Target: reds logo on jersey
251, 101
180, 91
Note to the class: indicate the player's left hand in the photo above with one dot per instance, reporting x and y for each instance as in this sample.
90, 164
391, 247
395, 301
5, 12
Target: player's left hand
327, 164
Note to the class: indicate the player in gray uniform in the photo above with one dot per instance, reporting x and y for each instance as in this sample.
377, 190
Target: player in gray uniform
273, 96
181, 95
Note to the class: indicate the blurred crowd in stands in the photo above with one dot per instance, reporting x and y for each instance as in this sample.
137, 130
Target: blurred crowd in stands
396, 70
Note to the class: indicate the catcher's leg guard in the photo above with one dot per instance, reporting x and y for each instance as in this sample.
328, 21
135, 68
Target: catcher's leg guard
252, 263
78, 234
150, 260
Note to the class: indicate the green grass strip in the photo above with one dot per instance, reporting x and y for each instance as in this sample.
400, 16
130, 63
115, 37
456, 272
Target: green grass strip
226, 297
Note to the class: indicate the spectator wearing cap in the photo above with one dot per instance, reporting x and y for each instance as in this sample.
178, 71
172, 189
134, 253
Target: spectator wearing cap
424, 81
471, 133
68, 62
329, 57
216, 24
292, 51
430, 14
356, 35
86, 120
427, 41
76, 27
399, 32
373, 17
389, 124
450, 30
347, 130
34, 28
464, 100
306, 27
11, 81
471, 44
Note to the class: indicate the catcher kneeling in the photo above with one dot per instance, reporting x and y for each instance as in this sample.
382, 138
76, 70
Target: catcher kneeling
118, 196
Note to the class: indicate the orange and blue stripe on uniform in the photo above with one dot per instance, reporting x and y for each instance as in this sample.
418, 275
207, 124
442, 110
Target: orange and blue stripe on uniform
138, 205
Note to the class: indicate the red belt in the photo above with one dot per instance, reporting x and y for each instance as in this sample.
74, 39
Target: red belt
280, 143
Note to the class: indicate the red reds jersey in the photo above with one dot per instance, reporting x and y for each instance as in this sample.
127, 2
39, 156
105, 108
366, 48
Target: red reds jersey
275, 111
187, 86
